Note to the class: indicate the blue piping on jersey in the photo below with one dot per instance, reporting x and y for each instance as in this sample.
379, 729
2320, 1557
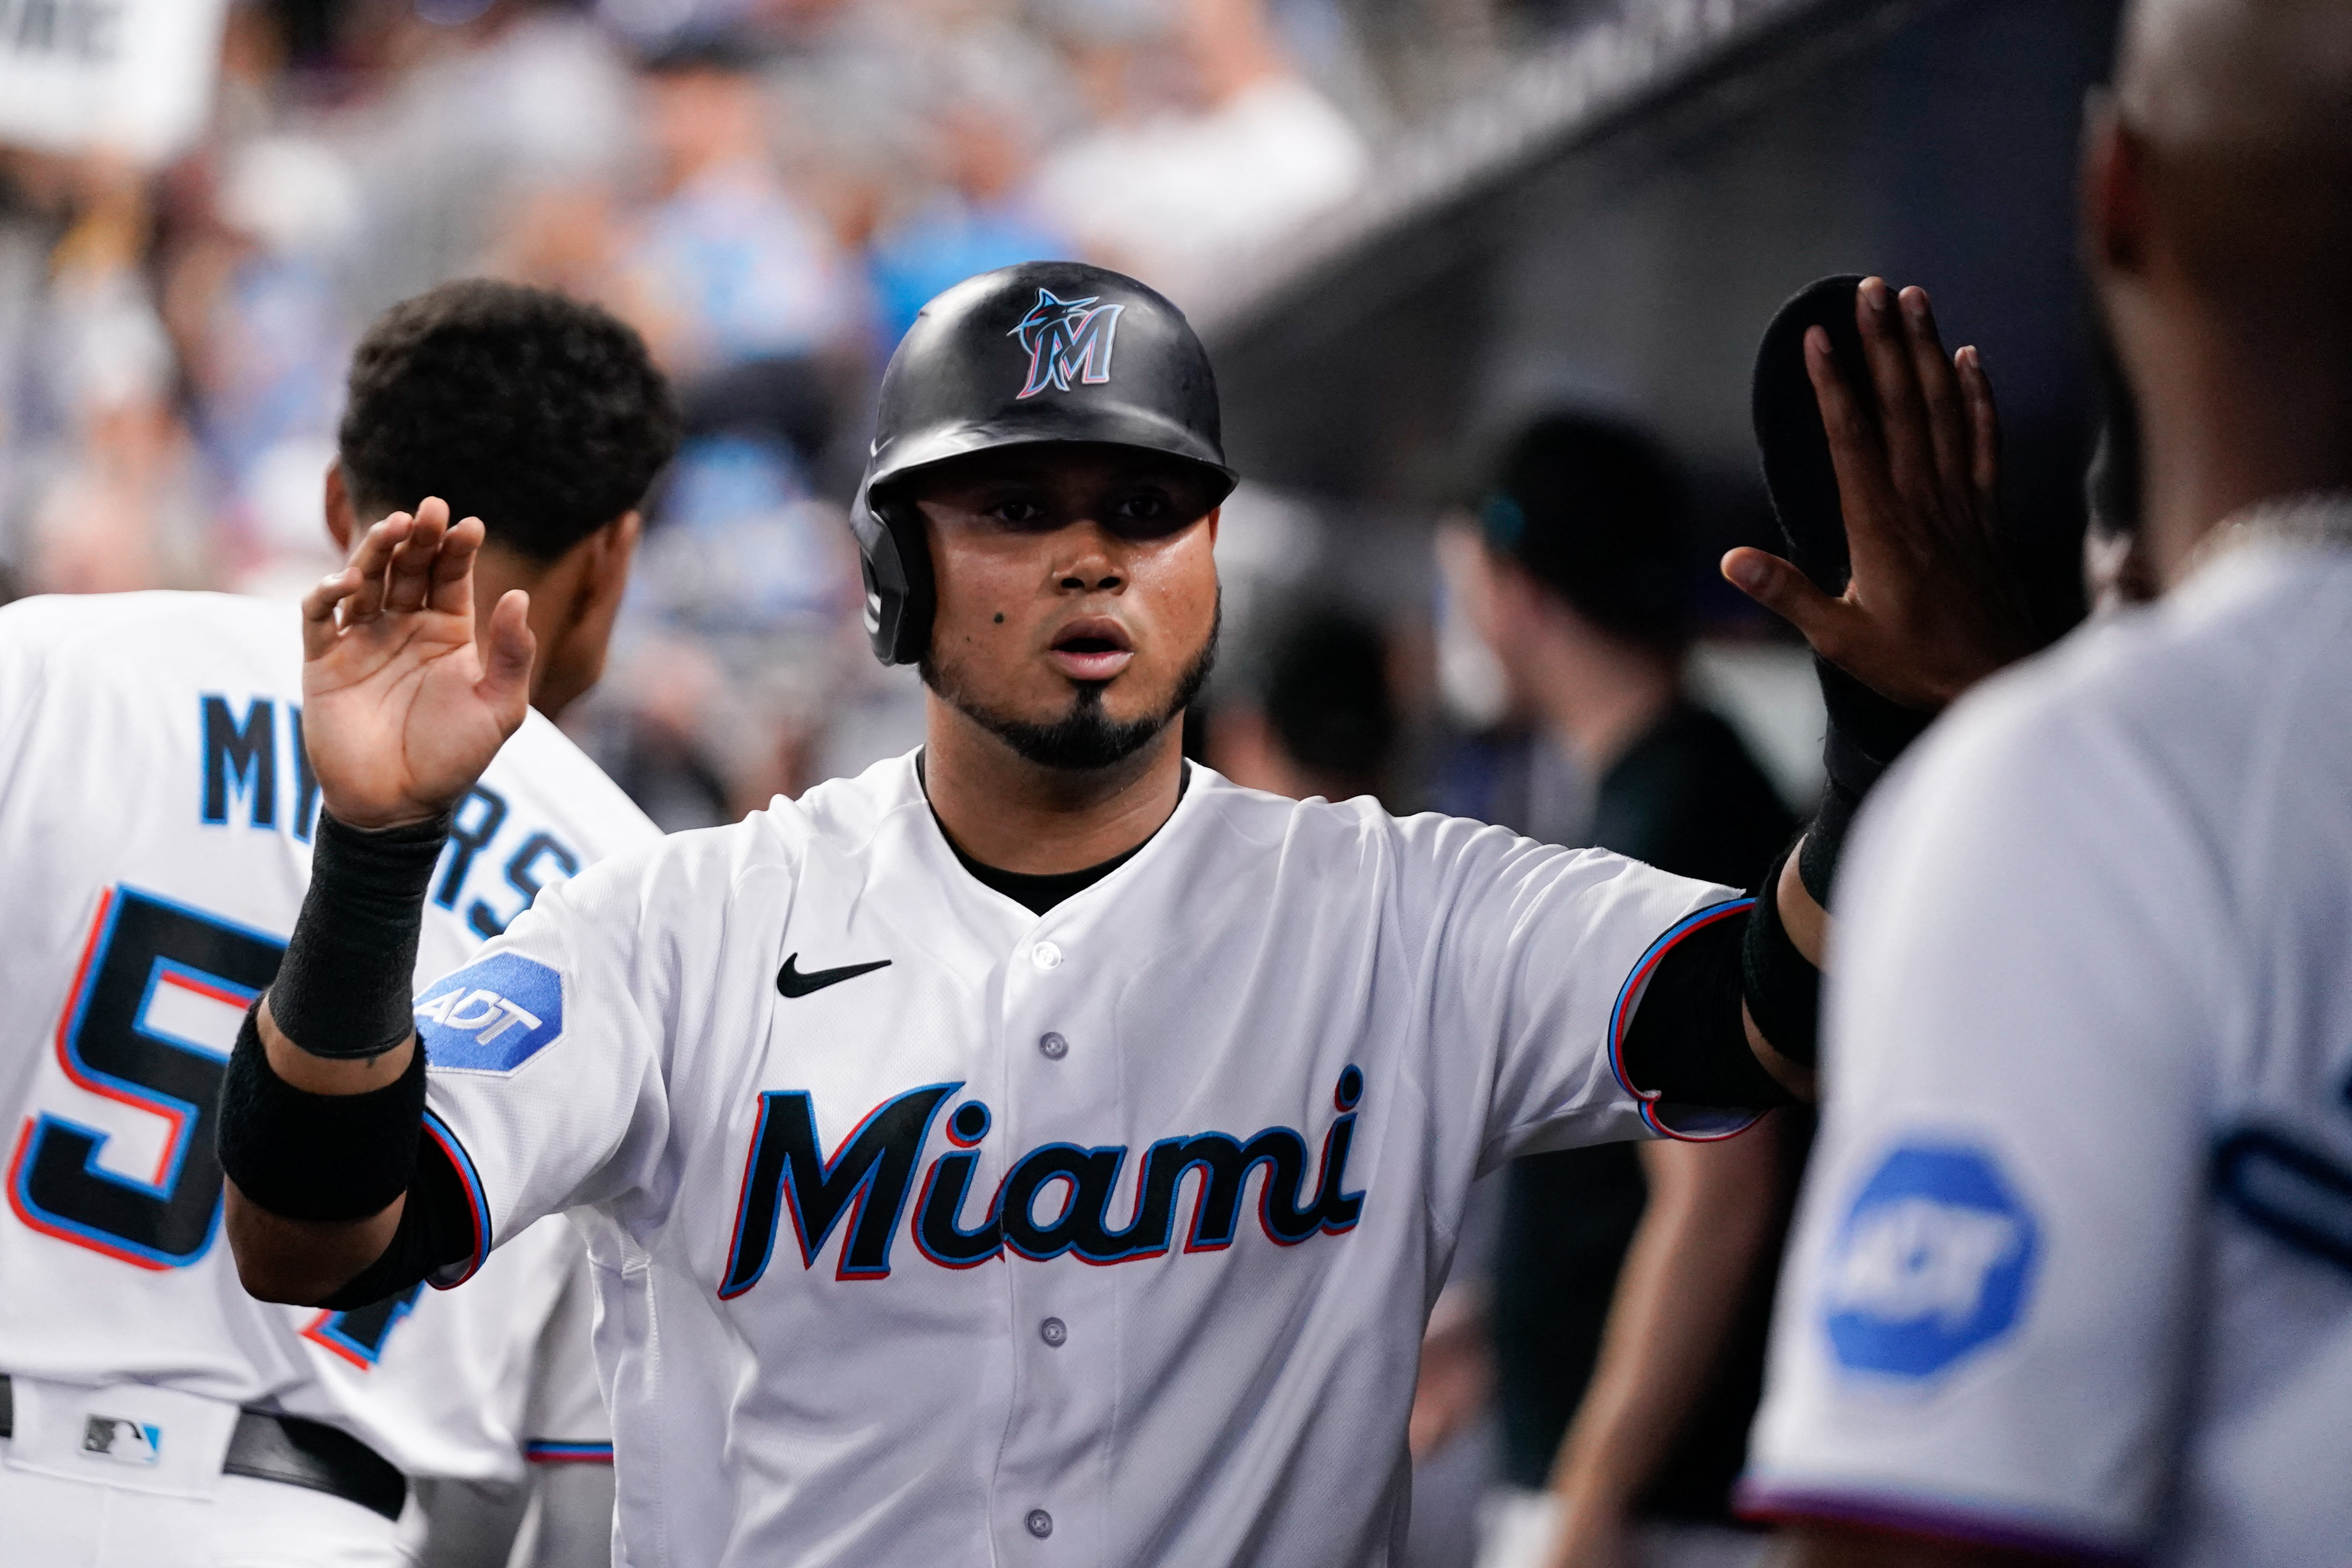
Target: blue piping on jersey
1621, 1016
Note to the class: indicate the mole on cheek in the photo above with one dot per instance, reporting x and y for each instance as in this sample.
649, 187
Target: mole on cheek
999, 617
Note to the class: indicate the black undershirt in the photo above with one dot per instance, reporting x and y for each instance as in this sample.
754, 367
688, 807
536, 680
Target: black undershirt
1036, 893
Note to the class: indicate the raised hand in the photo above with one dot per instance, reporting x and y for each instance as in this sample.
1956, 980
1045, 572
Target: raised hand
401, 710
1932, 606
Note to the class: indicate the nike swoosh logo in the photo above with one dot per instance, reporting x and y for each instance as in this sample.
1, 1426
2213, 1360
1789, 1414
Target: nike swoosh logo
793, 983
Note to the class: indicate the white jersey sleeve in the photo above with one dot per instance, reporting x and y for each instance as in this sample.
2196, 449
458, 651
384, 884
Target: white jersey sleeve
451, 1383
1546, 952
545, 1083
1981, 1327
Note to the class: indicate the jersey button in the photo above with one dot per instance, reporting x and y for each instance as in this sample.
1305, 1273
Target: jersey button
1054, 1331
1046, 956
1053, 1046
1040, 1522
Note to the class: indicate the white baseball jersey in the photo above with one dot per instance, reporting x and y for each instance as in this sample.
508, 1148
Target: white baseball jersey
156, 807
927, 1229
2074, 1261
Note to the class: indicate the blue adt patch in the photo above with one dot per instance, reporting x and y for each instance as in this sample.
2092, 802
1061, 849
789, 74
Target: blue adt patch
1934, 1260
491, 1015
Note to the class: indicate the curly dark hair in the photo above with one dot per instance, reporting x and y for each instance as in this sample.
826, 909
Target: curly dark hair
541, 415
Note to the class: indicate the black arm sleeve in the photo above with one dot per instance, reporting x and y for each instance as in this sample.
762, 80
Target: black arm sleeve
1688, 1043
344, 987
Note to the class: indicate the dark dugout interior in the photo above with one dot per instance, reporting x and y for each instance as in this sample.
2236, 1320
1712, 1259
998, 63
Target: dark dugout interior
1627, 255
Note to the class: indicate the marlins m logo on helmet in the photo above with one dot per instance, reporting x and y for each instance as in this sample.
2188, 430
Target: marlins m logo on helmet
1066, 339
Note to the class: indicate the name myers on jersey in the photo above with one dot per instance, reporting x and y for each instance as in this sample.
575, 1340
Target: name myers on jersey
864, 1189
240, 748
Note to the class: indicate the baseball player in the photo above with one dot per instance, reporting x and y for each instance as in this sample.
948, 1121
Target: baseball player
157, 817
2073, 1276
1031, 1149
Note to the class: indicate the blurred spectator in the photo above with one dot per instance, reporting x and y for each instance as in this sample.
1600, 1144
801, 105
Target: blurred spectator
258, 317
1321, 720
729, 267
114, 499
457, 116
1194, 170
769, 188
976, 217
1630, 1284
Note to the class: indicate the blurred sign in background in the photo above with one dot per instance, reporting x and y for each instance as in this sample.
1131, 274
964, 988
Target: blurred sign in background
132, 78
1402, 226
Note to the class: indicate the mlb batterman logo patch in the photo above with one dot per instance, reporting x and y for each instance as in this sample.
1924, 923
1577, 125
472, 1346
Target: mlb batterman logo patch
1935, 1261
492, 1015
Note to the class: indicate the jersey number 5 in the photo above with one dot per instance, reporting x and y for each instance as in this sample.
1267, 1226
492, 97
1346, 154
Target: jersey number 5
156, 979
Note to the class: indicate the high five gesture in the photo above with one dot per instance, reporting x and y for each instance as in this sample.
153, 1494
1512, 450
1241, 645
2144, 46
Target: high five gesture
1932, 606
401, 708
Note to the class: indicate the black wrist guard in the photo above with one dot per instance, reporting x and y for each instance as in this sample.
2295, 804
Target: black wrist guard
316, 1156
1781, 985
1866, 732
349, 971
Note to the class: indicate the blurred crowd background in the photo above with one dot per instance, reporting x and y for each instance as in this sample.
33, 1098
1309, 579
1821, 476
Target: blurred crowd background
1406, 226
768, 189
1411, 231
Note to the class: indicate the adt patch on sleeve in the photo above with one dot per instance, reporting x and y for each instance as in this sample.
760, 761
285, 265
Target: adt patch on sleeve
492, 1015
1935, 1261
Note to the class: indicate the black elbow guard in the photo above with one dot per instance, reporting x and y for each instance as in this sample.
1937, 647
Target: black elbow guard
1781, 985
1686, 1044
316, 1156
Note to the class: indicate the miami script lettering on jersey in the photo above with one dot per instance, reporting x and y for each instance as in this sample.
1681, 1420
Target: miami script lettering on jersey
1055, 1199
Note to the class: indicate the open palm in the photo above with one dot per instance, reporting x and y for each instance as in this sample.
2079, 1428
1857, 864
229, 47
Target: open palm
1933, 604
401, 710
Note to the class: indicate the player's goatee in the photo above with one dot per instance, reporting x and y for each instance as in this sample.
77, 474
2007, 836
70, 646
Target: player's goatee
1085, 736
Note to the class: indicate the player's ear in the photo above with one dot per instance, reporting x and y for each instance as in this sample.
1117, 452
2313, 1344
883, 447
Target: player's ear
342, 521
616, 547
2115, 190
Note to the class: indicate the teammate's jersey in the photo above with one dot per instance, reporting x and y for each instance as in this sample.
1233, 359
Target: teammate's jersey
927, 1229
156, 808
2074, 1263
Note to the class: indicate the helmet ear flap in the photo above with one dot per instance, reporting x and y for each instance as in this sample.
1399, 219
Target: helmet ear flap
896, 564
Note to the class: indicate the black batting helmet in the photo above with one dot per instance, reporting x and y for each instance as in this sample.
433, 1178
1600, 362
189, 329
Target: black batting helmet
1046, 351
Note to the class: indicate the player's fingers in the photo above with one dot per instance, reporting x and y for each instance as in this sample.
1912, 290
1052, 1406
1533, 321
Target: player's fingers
318, 610
1788, 592
372, 562
1939, 394
452, 587
506, 662
411, 577
1902, 413
1865, 492
1984, 431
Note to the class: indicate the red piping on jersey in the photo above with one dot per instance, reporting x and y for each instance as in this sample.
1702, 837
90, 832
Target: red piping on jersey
79, 998
75, 999
311, 1332
456, 1155
1933, 1518
547, 1451
1621, 1016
